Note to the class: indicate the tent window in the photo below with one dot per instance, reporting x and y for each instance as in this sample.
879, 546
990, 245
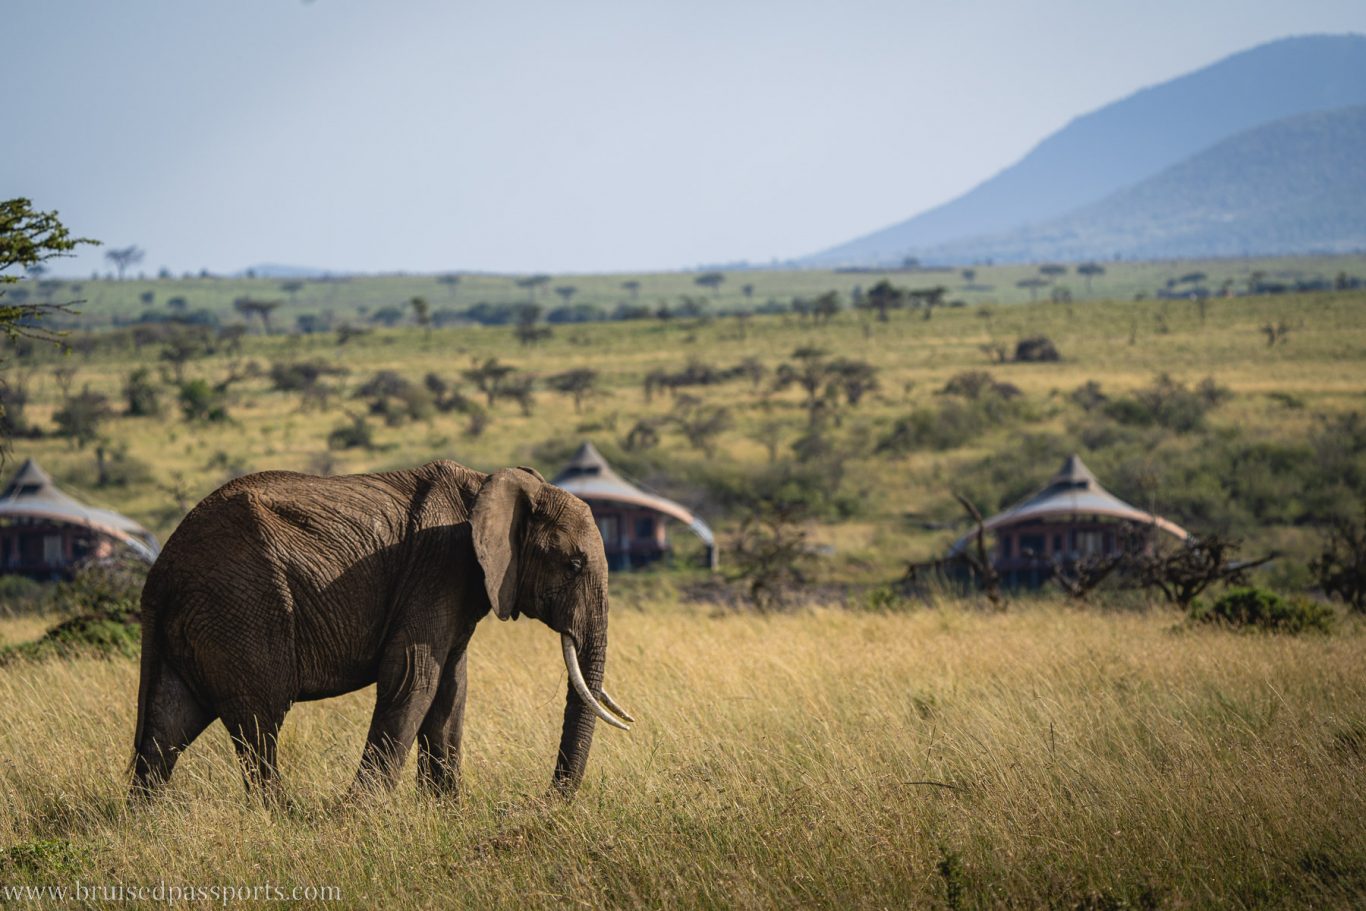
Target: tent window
1090, 542
645, 528
607, 527
52, 550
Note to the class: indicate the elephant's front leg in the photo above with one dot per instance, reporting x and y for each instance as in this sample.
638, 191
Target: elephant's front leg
438, 742
409, 677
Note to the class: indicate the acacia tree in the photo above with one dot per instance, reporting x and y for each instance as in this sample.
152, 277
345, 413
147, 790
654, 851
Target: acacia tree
882, 297
451, 280
1033, 284
80, 417
1200, 561
292, 287
490, 377
769, 552
124, 257
533, 283
711, 280
580, 384
422, 313
1089, 271
250, 307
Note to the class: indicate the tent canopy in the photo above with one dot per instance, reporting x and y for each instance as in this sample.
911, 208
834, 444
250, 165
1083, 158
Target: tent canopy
1072, 492
589, 477
32, 494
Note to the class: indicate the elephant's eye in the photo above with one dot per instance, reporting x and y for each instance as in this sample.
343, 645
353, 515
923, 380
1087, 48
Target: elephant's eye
576, 564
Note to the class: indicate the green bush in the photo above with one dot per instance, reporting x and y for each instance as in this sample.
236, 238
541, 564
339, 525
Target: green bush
356, 435
102, 602
20, 595
1260, 609
44, 857
1169, 404
200, 401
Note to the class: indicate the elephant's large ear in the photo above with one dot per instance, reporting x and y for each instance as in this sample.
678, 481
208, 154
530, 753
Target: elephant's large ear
498, 525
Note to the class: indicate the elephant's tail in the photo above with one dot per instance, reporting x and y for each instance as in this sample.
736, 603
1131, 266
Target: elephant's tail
149, 666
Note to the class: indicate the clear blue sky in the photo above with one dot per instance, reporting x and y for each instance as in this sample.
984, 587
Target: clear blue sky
559, 136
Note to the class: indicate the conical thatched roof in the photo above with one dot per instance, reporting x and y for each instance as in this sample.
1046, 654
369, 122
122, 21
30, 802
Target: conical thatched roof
31, 493
588, 477
1073, 491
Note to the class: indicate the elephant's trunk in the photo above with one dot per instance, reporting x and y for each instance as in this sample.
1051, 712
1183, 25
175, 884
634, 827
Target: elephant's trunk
580, 713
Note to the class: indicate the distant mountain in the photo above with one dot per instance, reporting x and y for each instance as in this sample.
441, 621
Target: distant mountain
1131, 140
1297, 185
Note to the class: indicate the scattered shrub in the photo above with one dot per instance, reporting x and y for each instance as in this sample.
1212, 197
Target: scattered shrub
102, 604
769, 554
1088, 396
200, 401
978, 384
1168, 403
952, 425
44, 859
1036, 349
20, 595
298, 376
141, 394
355, 435
1340, 567
396, 399
1259, 609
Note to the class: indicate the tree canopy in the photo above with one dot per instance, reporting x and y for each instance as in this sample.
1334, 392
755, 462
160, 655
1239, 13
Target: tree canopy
28, 238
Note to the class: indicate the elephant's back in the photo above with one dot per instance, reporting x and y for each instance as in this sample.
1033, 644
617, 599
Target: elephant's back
305, 531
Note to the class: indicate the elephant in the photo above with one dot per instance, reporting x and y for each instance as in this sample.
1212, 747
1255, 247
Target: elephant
281, 587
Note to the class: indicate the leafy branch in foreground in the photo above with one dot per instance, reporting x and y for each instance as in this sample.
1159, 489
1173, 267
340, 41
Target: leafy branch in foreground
29, 238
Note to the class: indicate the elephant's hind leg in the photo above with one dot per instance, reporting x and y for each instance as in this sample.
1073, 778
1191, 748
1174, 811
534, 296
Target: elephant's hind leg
174, 719
255, 733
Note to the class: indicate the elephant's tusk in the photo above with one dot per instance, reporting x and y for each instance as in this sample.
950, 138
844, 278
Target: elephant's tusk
612, 704
571, 663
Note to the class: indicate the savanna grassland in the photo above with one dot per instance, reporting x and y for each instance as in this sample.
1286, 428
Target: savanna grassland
1259, 451
1047, 757
856, 750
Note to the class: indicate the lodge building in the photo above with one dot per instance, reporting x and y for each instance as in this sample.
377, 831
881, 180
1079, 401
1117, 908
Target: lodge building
633, 523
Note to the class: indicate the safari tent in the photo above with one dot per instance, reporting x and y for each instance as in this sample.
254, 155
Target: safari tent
44, 532
1070, 518
633, 523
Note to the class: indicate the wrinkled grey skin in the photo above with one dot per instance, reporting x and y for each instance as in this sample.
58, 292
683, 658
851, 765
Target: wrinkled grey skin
282, 587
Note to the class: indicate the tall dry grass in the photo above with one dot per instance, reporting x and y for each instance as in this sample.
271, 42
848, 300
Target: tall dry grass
1042, 758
